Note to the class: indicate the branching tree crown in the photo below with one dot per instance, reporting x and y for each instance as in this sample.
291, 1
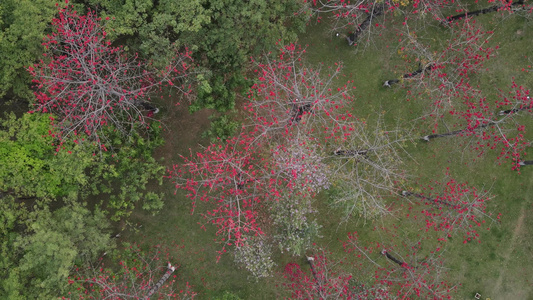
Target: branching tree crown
90, 85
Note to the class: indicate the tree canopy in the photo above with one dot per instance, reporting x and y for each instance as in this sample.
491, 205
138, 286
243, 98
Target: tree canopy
23, 24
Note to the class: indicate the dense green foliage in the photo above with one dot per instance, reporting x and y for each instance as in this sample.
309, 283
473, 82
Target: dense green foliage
222, 128
43, 246
23, 24
215, 91
221, 34
224, 33
29, 164
125, 170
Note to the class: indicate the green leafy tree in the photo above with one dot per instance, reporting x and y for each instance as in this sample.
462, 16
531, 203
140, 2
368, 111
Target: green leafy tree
221, 34
222, 128
29, 164
238, 30
32, 167
23, 24
11, 212
155, 29
124, 172
218, 91
42, 255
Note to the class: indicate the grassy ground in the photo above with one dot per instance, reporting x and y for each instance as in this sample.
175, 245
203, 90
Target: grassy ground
500, 267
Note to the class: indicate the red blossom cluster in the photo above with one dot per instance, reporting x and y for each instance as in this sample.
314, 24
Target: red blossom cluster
444, 81
277, 153
234, 181
498, 127
326, 280
450, 208
403, 267
92, 86
141, 275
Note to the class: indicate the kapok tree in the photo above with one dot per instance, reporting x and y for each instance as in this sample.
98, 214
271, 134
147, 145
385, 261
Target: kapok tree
292, 105
509, 135
300, 161
237, 184
273, 157
498, 127
298, 111
291, 96
232, 180
365, 158
357, 21
445, 82
450, 209
512, 7
325, 278
361, 21
90, 85
322, 281
137, 274
408, 267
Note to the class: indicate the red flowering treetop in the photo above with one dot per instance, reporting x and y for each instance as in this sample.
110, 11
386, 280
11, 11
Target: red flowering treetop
450, 209
508, 136
274, 157
358, 21
444, 71
138, 275
90, 85
233, 181
296, 141
291, 97
498, 127
447, 79
408, 268
362, 21
327, 279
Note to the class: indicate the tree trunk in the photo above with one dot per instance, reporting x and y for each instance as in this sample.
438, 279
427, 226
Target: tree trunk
481, 11
310, 261
158, 285
429, 200
514, 110
433, 136
350, 153
149, 107
394, 259
298, 111
390, 82
352, 38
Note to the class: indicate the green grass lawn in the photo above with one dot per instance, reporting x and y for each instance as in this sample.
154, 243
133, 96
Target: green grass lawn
500, 267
